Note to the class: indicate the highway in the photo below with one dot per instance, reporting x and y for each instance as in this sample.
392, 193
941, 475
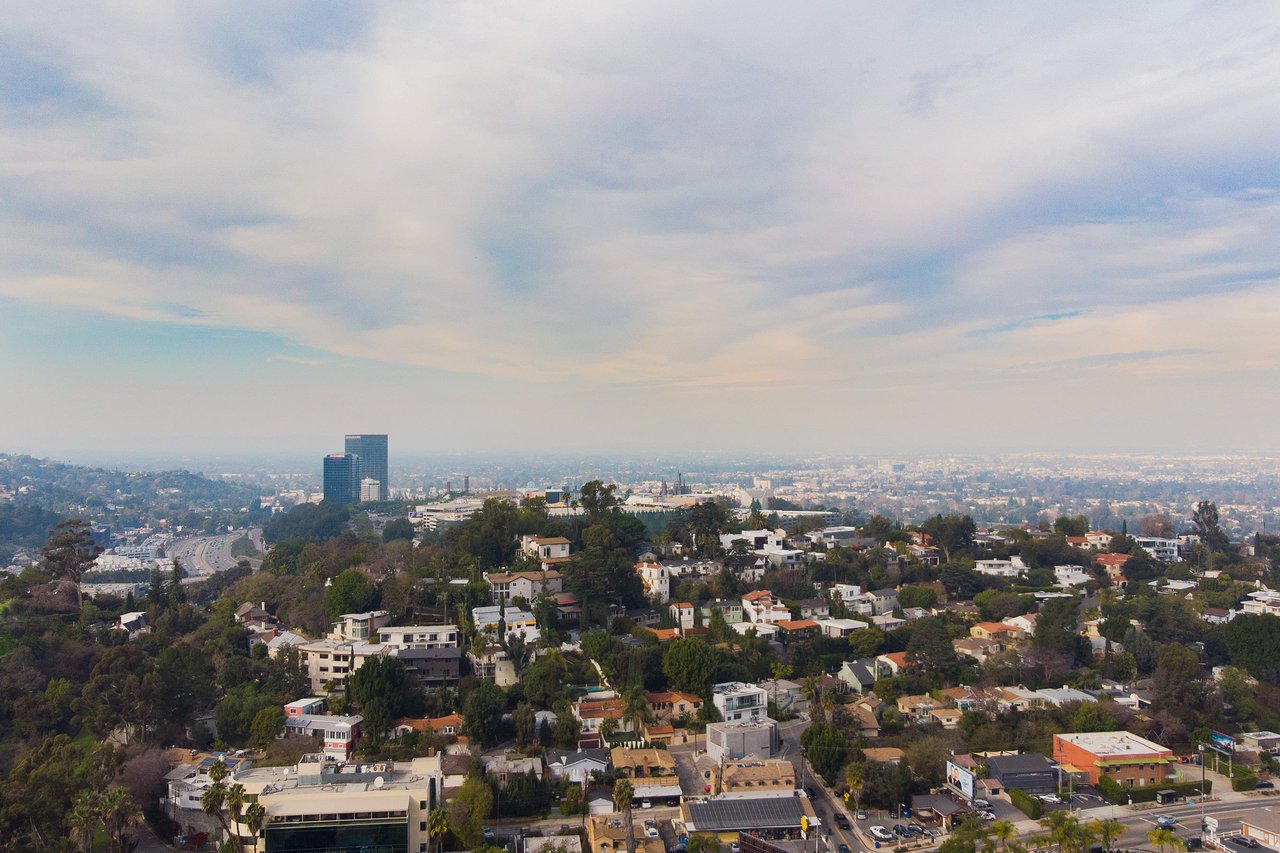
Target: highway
202, 556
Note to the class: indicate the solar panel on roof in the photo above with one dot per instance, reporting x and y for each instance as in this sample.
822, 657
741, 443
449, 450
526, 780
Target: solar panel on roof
763, 812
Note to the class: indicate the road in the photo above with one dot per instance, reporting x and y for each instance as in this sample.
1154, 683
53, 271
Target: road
202, 556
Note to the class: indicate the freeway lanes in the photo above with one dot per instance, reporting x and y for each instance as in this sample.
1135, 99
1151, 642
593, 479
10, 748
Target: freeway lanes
202, 556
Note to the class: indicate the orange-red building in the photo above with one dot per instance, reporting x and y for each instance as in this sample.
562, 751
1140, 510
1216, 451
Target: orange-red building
1124, 758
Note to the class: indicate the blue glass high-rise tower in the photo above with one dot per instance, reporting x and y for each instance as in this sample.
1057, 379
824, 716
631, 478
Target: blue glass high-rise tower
342, 478
371, 450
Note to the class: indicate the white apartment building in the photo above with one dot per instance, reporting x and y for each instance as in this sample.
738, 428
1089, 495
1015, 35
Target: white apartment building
763, 606
357, 626
505, 586
756, 539
323, 804
1261, 602
1010, 568
421, 636
514, 622
550, 551
1069, 576
838, 628
334, 660
1164, 550
737, 701
657, 581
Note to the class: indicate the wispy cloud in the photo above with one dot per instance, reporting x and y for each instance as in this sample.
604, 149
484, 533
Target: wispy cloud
626, 201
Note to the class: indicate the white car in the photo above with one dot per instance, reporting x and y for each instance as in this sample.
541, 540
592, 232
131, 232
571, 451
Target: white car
1053, 799
651, 832
880, 833
646, 804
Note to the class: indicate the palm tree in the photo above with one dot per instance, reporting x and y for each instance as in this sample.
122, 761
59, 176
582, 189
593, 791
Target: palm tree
83, 819
255, 817
1163, 838
1108, 831
1004, 831
438, 826
119, 814
1063, 830
622, 794
636, 710
854, 777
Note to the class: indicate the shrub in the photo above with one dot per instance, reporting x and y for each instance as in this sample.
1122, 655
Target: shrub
1025, 803
1116, 793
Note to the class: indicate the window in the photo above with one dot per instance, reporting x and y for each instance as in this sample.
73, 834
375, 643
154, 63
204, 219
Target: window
422, 804
422, 826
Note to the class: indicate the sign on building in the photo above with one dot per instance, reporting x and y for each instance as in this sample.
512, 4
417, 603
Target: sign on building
1219, 741
960, 780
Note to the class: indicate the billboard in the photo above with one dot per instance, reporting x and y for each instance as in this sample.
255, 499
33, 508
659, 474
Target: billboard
1222, 742
960, 780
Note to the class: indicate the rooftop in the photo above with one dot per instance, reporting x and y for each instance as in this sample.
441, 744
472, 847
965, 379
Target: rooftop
1124, 744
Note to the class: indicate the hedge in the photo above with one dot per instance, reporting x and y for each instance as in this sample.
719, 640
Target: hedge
1120, 795
1244, 781
1026, 803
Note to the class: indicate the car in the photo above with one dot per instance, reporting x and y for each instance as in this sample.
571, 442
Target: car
987, 815
810, 793
879, 833
981, 803
1192, 842
646, 804
1262, 784
900, 830
1052, 799
488, 834
842, 821
651, 832
862, 814
915, 829
1165, 821
1243, 841
843, 848
735, 847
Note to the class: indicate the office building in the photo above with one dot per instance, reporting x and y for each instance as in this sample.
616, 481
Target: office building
372, 453
1122, 757
342, 478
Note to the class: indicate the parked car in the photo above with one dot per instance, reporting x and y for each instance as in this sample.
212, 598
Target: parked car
1243, 841
488, 834
879, 833
987, 815
651, 832
646, 804
901, 831
1192, 842
1165, 821
981, 803
1264, 783
915, 829
843, 848
862, 814
1052, 799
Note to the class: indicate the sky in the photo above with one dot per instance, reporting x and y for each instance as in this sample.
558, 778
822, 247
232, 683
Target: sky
659, 226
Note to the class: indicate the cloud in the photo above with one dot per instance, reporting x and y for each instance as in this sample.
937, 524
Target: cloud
665, 198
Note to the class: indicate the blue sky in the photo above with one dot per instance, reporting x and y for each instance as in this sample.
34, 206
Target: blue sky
654, 226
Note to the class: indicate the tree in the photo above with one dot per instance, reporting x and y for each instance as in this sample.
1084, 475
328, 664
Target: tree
438, 827
930, 650
398, 528
468, 811
266, 726
1205, 520
1004, 831
380, 687
483, 711
597, 499
950, 533
525, 723
690, 664
214, 800
622, 795
826, 748
1067, 525
350, 592
1163, 838
1107, 831
1253, 644
186, 681
118, 813
573, 802
865, 642
702, 842
70, 552
1157, 524
83, 820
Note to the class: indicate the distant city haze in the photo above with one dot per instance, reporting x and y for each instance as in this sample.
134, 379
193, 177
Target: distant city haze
640, 228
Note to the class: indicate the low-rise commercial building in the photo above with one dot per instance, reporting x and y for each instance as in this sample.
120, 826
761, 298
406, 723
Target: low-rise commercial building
1122, 757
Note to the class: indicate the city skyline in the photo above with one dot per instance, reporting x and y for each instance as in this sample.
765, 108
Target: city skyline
653, 227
